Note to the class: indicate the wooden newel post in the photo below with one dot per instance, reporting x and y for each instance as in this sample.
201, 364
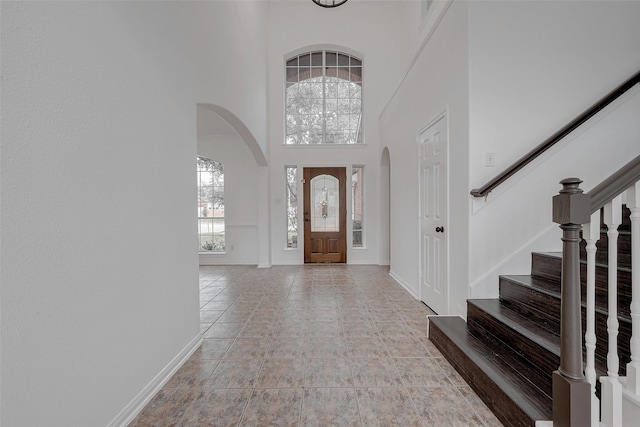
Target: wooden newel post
571, 391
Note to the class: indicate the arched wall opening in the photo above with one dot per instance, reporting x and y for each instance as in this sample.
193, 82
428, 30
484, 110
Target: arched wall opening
240, 129
222, 137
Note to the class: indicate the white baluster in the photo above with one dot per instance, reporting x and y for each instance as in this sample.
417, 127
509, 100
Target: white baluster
611, 387
633, 367
591, 234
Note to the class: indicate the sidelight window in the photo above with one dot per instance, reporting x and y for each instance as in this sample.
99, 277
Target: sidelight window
357, 205
291, 194
210, 175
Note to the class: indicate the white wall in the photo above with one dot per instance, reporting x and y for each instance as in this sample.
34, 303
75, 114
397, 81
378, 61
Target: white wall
437, 81
369, 30
229, 39
523, 207
99, 269
534, 66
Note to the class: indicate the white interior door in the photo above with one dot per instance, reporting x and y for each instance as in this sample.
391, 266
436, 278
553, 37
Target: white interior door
434, 287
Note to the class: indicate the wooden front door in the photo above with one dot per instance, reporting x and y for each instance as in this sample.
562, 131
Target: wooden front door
325, 215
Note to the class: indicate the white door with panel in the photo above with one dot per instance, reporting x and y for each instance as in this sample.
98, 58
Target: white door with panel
434, 262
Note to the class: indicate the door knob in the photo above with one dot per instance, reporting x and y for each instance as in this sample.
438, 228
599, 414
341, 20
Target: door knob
439, 229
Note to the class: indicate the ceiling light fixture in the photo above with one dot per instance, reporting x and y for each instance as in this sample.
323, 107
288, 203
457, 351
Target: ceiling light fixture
329, 3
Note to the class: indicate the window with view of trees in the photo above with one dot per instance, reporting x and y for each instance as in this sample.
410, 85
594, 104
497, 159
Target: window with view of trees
291, 174
323, 99
210, 205
357, 204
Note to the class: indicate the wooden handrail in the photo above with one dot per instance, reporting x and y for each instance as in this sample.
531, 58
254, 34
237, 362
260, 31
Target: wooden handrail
556, 137
615, 184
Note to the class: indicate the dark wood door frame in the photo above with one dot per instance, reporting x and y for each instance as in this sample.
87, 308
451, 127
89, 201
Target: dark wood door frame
325, 246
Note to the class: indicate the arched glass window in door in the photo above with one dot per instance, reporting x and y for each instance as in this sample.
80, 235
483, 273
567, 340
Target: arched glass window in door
325, 196
323, 99
211, 234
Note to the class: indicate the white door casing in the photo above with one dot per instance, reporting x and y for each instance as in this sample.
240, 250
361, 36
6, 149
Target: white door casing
433, 210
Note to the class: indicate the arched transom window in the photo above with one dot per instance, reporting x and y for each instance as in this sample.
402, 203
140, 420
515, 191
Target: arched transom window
323, 98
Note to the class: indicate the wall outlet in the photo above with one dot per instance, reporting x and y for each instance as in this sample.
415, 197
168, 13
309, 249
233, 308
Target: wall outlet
489, 160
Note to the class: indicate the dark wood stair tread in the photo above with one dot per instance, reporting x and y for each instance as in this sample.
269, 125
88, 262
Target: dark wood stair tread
550, 289
546, 263
503, 387
558, 255
547, 288
534, 298
537, 283
519, 324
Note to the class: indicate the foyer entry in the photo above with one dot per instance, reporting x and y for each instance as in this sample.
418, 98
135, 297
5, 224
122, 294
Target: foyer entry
325, 214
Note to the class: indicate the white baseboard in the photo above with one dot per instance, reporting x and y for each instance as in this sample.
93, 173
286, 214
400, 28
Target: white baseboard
140, 401
402, 283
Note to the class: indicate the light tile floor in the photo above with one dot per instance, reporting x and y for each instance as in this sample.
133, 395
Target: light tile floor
314, 345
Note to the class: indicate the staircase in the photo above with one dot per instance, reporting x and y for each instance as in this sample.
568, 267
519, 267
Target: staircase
509, 347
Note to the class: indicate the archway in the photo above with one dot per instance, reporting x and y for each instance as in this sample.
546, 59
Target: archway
240, 129
224, 138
